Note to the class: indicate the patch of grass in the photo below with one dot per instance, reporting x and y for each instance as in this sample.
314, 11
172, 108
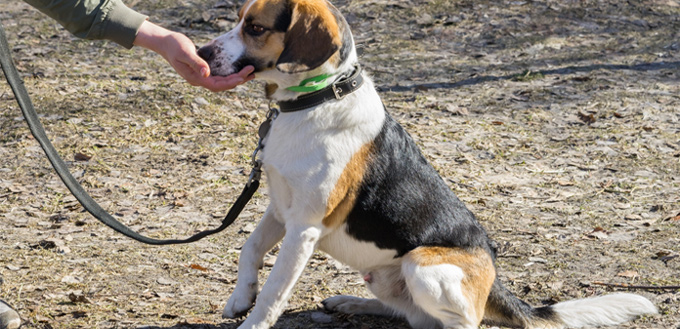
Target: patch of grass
527, 76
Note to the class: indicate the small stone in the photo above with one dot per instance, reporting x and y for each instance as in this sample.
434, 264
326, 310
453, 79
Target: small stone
632, 217
165, 282
270, 261
248, 228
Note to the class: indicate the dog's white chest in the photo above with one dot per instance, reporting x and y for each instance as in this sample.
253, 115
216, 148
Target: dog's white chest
306, 152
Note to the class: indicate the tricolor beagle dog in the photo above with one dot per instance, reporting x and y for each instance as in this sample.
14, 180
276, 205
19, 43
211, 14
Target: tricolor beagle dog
345, 178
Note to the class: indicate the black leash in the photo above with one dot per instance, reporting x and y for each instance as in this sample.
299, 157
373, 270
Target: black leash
85, 200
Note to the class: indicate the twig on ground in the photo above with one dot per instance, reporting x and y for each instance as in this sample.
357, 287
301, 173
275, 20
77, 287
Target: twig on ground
630, 286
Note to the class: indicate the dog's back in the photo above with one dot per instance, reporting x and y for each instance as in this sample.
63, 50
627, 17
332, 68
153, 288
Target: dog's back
446, 275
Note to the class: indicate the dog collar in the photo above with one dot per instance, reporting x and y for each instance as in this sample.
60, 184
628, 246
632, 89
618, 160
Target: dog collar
312, 84
337, 90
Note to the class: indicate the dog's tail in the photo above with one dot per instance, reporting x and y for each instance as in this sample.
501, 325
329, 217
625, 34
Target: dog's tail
503, 308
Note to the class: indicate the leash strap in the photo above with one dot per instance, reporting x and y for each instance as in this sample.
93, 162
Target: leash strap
72, 184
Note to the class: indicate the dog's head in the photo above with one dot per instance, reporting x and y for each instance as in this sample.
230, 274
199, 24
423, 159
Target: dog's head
285, 40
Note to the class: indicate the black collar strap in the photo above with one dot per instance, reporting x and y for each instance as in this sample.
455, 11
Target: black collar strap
337, 90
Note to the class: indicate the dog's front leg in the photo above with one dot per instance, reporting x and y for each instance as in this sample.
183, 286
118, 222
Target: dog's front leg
268, 232
296, 249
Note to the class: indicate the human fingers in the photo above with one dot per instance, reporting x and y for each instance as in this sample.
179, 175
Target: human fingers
186, 53
247, 73
222, 83
217, 84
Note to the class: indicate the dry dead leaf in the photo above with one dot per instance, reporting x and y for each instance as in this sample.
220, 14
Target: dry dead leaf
674, 218
82, 157
77, 298
587, 118
628, 274
198, 267
598, 233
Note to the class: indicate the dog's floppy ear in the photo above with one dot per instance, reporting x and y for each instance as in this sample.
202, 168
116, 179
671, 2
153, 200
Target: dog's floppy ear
312, 37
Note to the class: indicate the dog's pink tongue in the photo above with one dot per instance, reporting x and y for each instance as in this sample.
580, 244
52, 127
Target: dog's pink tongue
368, 278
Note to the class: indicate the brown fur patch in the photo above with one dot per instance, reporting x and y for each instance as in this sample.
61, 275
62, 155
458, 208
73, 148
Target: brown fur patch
270, 88
477, 266
319, 9
267, 47
342, 198
313, 37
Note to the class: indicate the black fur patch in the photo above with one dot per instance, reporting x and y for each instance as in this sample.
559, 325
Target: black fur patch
504, 308
403, 203
283, 19
244, 61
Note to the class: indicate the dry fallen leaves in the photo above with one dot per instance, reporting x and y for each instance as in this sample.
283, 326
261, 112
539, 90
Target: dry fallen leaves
628, 274
82, 157
198, 267
598, 233
587, 118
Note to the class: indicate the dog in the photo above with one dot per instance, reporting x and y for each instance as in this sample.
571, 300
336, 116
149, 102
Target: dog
344, 177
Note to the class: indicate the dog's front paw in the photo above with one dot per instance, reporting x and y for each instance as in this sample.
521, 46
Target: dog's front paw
239, 303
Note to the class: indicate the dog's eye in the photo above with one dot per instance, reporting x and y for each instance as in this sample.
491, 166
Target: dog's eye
256, 30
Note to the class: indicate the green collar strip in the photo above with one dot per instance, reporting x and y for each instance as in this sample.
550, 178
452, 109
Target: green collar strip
312, 84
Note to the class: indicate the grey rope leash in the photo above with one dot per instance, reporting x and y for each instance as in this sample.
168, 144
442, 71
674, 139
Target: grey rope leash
77, 190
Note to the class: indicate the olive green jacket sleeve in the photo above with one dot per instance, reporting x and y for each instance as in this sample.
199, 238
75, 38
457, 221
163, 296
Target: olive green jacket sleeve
94, 19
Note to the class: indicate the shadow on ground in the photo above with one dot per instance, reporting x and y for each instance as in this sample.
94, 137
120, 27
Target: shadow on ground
655, 66
302, 319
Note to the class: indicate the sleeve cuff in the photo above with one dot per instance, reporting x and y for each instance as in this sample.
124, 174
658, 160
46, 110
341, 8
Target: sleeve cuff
123, 24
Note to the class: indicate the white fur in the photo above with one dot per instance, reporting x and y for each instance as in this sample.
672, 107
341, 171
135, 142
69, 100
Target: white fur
429, 297
603, 310
296, 249
231, 47
268, 232
438, 291
307, 151
360, 255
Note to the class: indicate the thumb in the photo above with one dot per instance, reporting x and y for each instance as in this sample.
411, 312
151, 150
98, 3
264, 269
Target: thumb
199, 65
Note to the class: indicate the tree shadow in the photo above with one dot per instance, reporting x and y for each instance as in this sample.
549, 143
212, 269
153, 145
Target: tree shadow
655, 66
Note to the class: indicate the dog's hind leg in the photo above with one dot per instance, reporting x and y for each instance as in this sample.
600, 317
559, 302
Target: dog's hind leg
450, 284
394, 299
268, 232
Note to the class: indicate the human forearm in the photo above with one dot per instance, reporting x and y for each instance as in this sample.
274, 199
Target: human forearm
94, 19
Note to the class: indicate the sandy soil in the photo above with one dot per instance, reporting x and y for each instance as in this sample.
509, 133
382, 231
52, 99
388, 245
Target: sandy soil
557, 122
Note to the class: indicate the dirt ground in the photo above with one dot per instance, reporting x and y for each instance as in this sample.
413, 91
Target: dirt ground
557, 122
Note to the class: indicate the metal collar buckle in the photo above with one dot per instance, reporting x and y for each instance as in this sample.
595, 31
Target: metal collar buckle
339, 93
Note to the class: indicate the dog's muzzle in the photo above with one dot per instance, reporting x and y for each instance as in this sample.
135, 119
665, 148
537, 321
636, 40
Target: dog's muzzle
209, 54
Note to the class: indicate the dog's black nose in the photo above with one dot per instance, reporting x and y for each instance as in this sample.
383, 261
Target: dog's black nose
207, 52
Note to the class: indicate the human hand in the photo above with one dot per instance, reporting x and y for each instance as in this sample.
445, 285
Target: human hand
180, 52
